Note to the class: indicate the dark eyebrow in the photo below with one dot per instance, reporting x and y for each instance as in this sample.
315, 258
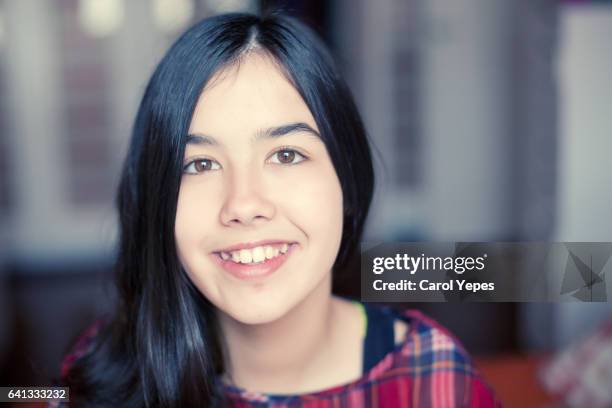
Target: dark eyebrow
201, 139
273, 132
284, 130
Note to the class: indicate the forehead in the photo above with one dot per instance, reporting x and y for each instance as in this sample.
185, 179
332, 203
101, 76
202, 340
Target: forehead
253, 93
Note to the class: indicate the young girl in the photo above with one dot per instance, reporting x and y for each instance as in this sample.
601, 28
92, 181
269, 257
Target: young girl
246, 185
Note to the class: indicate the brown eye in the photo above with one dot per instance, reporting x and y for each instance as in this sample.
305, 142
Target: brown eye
202, 165
287, 156
199, 166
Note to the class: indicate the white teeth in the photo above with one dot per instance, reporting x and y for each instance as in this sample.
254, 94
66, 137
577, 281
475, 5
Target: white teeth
269, 252
255, 255
246, 256
258, 254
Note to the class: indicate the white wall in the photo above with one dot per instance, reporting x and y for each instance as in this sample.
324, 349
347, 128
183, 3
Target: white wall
585, 174
466, 113
465, 50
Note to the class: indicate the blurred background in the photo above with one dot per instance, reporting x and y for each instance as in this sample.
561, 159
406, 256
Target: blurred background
492, 121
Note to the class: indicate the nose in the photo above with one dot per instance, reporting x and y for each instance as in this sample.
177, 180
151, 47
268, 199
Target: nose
247, 202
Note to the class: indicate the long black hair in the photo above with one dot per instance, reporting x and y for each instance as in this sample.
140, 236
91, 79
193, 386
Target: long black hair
162, 346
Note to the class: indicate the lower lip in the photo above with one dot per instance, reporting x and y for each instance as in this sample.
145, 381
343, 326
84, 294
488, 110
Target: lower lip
253, 271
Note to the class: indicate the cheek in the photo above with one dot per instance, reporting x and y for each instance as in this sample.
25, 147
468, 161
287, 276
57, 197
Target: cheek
314, 202
194, 214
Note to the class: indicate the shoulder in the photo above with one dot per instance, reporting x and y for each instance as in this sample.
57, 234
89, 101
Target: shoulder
433, 363
432, 343
78, 348
424, 340
82, 346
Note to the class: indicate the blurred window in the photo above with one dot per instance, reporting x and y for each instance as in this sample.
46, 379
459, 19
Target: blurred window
84, 46
173, 15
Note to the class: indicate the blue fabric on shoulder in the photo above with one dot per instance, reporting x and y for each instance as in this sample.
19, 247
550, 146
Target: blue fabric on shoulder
380, 337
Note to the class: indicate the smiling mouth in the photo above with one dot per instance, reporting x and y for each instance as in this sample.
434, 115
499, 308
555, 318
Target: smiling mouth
255, 262
255, 255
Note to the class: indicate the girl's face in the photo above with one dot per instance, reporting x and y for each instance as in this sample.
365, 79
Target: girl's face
259, 217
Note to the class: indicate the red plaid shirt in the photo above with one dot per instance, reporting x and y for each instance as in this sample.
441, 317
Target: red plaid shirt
429, 368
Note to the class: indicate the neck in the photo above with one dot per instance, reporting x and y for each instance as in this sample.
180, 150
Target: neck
286, 354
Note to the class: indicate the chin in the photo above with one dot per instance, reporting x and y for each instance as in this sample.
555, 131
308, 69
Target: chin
257, 312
